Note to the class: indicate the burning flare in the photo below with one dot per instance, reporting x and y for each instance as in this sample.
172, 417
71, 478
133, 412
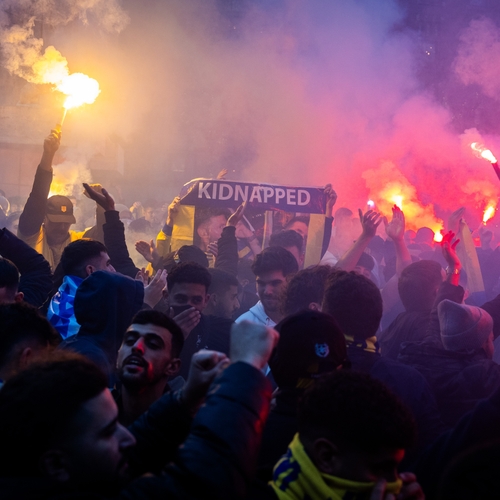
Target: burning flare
483, 152
438, 237
80, 89
397, 199
489, 212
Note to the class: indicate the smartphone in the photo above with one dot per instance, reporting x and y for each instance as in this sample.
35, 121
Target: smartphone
179, 309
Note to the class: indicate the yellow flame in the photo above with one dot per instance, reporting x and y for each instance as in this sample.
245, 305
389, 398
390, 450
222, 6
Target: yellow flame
488, 213
483, 152
438, 237
80, 89
398, 201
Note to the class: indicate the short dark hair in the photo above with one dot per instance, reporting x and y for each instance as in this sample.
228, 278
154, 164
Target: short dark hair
286, 239
355, 411
20, 322
275, 259
189, 272
157, 318
305, 287
77, 255
355, 302
300, 218
418, 284
38, 405
9, 275
221, 281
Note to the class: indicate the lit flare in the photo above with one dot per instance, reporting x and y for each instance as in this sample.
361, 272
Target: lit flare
79, 89
488, 213
438, 237
483, 152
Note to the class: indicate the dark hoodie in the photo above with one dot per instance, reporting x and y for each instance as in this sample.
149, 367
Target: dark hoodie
105, 304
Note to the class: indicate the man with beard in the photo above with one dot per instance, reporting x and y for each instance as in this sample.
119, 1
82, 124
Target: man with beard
148, 357
271, 268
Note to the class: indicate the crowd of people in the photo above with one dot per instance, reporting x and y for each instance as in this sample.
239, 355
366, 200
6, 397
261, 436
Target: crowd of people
228, 369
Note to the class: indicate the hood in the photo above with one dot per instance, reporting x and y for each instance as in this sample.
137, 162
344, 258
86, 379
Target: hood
105, 304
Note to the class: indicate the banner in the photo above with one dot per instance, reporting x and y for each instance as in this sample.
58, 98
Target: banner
230, 194
207, 203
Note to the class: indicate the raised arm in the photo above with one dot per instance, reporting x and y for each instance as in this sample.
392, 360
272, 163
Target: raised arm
395, 231
369, 222
227, 255
36, 276
33, 214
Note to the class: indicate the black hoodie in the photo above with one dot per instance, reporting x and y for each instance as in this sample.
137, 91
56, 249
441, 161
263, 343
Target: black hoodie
105, 304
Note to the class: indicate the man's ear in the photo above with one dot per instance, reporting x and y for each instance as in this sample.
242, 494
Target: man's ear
89, 269
325, 455
55, 465
173, 367
25, 357
19, 297
207, 298
314, 306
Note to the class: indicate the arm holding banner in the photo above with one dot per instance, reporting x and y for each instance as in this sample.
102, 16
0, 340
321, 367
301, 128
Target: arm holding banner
369, 222
227, 257
331, 199
165, 235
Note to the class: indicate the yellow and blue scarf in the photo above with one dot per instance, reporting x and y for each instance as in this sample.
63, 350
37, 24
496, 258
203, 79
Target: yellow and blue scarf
295, 477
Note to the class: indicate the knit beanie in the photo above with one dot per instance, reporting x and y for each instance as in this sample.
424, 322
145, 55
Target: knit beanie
463, 327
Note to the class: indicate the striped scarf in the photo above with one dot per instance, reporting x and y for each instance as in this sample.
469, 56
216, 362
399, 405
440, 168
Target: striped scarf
295, 477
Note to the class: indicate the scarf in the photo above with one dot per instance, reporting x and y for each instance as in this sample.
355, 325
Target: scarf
61, 313
295, 477
369, 345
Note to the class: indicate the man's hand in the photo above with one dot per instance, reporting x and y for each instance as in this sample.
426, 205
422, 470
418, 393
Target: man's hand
252, 343
369, 222
235, 218
331, 199
448, 246
172, 211
142, 276
213, 248
51, 143
222, 174
396, 228
410, 490
103, 199
148, 251
154, 291
454, 219
187, 320
205, 366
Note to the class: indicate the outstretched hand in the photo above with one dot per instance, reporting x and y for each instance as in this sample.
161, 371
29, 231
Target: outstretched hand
396, 228
331, 199
148, 251
173, 210
154, 291
103, 199
370, 221
448, 247
237, 216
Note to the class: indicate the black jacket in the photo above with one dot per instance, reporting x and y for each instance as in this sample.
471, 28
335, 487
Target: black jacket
105, 304
212, 332
216, 461
36, 276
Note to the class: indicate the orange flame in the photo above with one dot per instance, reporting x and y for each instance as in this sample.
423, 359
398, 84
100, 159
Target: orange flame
483, 152
488, 213
397, 199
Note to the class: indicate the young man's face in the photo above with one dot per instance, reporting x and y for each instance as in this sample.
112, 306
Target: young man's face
145, 356
57, 232
270, 286
101, 263
300, 227
97, 445
192, 294
211, 230
226, 303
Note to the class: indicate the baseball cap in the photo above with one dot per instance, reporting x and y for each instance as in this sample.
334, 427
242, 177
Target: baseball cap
60, 209
311, 343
